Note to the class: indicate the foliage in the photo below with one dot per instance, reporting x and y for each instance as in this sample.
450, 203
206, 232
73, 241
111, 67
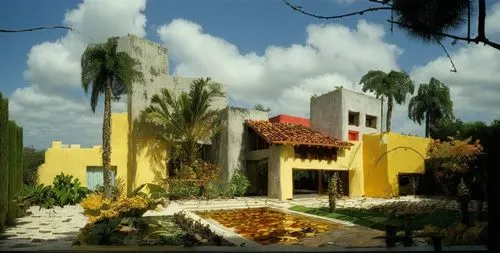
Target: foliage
332, 192
99, 208
111, 73
450, 159
32, 159
4, 160
460, 234
181, 189
197, 230
152, 191
152, 230
405, 208
185, 119
262, 108
15, 173
238, 184
378, 219
427, 19
118, 190
65, 190
431, 104
393, 85
68, 190
39, 195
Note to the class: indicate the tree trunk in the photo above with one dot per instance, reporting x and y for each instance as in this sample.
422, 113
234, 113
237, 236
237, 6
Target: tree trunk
464, 213
389, 114
106, 141
427, 125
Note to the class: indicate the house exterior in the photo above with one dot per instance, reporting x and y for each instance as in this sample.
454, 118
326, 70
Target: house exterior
268, 151
345, 114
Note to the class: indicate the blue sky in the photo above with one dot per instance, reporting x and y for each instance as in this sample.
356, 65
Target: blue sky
253, 27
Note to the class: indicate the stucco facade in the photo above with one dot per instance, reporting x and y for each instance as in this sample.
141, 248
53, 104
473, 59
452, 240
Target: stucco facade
373, 162
388, 155
330, 113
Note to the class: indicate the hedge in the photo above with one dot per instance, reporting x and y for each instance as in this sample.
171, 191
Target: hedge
11, 166
4, 156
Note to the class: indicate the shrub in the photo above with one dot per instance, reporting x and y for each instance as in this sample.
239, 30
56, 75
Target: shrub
68, 190
196, 229
238, 184
459, 234
117, 191
332, 192
98, 208
39, 195
181, 189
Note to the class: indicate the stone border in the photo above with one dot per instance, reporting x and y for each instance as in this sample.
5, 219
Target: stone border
220, 230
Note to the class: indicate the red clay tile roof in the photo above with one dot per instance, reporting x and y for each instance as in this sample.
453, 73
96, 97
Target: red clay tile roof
287, 133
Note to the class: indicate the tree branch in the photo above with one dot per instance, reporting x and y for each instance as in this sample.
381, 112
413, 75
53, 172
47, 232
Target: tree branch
476, 40
298, 8
38, 28
447, 54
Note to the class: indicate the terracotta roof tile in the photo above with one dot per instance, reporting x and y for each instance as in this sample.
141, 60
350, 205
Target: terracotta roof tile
287, 133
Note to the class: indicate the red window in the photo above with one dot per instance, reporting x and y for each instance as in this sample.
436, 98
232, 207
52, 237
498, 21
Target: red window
353, 135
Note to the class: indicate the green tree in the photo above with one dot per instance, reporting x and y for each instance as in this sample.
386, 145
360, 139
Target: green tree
431, 103
393, 85
110, 73
32, 159
186, 119
262, 108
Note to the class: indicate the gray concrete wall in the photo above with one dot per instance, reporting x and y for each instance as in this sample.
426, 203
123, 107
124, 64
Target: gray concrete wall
326, 114
330, 112
233, 139
153, 60
365, 105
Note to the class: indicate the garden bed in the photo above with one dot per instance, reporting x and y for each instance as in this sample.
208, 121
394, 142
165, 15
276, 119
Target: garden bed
149, 230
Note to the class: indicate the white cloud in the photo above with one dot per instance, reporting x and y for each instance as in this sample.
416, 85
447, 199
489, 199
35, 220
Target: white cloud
282, 77
53, 105
475, 88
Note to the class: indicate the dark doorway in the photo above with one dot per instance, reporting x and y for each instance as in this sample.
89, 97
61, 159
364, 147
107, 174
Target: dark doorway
257, 175
408, 183
316, 181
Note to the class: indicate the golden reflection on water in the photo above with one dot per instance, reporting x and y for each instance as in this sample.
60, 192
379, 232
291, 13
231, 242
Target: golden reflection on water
269, 226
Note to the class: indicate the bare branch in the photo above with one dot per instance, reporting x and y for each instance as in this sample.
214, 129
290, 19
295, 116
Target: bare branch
299, 9
37, 28
447, 54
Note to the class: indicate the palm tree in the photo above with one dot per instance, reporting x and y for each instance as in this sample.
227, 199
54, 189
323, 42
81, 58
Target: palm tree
394, 86
106, 71
186, 119
431, 104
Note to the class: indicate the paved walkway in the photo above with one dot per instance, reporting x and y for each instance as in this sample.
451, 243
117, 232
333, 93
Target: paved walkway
57, 228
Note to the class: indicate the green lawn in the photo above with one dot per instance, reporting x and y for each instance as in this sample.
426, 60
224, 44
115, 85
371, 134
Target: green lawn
377, 220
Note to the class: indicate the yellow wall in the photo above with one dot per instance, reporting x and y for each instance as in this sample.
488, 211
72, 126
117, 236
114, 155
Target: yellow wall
405, 154
73, 160
148, 154
348, 160
387, 155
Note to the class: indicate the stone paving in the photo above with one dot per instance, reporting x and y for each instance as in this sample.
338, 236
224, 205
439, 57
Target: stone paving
57, 228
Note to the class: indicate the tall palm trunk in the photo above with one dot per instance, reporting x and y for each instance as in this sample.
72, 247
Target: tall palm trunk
106, 142
390, 102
